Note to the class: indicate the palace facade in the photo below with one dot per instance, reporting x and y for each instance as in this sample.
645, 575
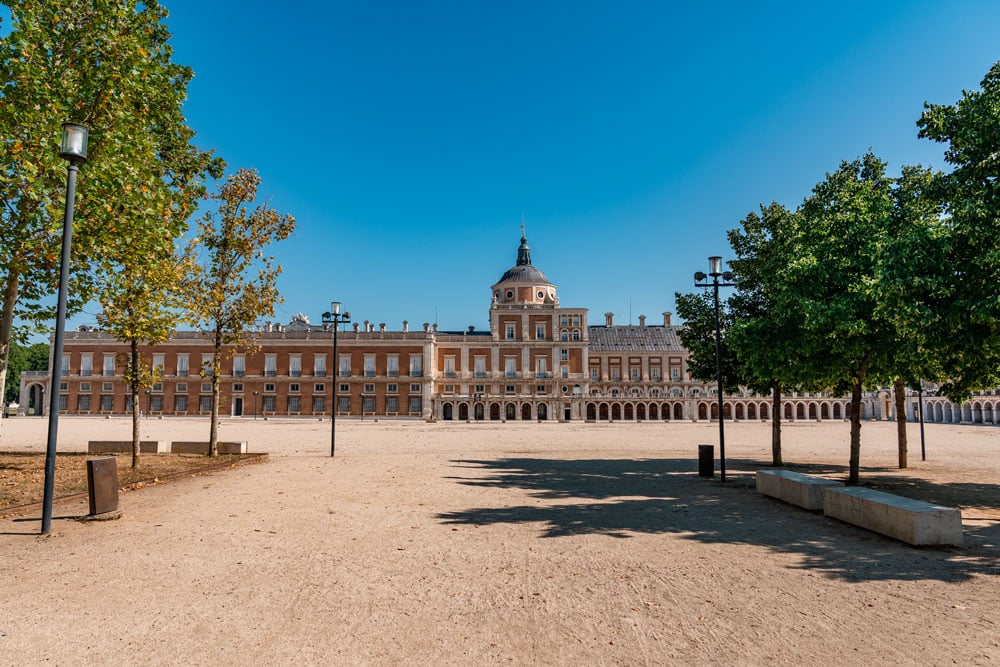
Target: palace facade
539, 361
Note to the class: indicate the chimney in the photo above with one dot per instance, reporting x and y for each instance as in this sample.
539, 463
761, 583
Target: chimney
609, 319
642, 320
356, 327
406, 326
427, 327
666, 319
268, 327
471, 328
435, 327
381, 327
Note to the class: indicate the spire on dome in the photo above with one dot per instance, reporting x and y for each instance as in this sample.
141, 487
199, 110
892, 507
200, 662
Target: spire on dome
523, 252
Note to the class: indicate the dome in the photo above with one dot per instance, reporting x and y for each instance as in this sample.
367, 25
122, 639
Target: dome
524, 274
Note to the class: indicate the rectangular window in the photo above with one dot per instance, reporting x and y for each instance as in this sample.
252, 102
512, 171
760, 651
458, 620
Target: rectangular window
87, 363
294, 404
319, 365
270, 365
293, 388
295, 365
595, 373
239, 365
159, 363
654, 374
83, 403
319, 388
576, 320
345, 365
576, 334
344, 404
480, 366
480, 388
540, 389
237, 387
107, 403
414, 388
449, 367
369, 365
157, 386
84, 386
564, 371
675, 374
107, 386
392, 404
509, 389
64, 386
345, 388
180, 403
206, 387
563, 355
183, 369
64, 368
205, 403
416, 365
509, 331
392, 388
509, 367
541, 367
63, 403
392, 365
207, 361
109, 365
181, 388
319, 404
267, 405
563, 320
269, 387
540, 332
156, 403
416, 405
128, 403
634, 373
616, 374
368, 404
449, 389
369, 389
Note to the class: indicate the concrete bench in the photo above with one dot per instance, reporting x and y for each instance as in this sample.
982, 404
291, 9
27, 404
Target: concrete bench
183, 447
794, 487
124, 447
904, 519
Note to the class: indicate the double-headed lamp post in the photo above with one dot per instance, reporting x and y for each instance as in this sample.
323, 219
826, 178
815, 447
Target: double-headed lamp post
336, 318
74, 150
715, 272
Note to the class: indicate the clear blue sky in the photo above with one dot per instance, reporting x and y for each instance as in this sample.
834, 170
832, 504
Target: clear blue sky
408, 138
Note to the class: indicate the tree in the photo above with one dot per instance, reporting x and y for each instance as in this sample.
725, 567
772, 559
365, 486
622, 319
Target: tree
224, 296
765, 335
698, 335
106, 65
964, 300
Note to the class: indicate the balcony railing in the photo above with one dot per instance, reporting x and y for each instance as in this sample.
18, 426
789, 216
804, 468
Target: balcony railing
237, 373
295, 373
416, 373
270, 373
320, 373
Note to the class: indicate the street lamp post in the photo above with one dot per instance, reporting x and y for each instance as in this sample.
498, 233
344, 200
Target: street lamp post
255, 406
715, 272
74, 150
920, 411
335, 318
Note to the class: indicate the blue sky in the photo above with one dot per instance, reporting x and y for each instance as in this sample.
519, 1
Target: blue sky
409, 138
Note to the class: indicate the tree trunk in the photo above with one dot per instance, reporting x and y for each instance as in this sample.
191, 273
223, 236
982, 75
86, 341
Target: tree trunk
899, 393
134, 387
776, 427
7, 329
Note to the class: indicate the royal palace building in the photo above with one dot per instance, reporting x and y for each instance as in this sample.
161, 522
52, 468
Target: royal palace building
538, 361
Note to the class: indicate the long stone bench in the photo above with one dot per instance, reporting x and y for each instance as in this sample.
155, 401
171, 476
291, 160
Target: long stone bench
905, 519
124, 446
184, 447
794, 487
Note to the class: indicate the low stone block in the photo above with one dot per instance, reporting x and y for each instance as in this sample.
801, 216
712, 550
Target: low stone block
184, 447
911, 521
124, 447
794, 487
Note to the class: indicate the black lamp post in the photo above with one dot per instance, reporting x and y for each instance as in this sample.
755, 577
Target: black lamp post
336, 318
255, 406
74, 150
920, 411
715, 272
149, 403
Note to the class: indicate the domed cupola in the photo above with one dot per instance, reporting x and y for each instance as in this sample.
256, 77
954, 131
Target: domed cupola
523, 284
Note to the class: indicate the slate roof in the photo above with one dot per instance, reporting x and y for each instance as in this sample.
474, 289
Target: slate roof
630, 337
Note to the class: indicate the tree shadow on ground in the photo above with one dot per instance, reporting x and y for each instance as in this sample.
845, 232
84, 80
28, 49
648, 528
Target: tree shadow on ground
622, 497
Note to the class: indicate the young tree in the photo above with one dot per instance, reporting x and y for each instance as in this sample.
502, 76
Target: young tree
235, 283
765, 335
964, 300
24, 358
106, 65
698, 335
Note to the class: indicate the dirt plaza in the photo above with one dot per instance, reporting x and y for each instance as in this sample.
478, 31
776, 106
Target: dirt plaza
503, 543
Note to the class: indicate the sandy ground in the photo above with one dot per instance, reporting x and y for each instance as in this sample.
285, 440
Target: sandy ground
545, 544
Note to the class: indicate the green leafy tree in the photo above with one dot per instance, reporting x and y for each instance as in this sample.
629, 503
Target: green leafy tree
235, 283
963, 300
106, 65
697, 309
765, 335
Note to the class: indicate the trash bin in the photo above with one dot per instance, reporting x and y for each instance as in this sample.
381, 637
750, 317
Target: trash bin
706, 460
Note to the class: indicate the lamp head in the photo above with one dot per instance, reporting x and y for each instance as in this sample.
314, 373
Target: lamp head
715, 266
74, 143
335, 307
700, 275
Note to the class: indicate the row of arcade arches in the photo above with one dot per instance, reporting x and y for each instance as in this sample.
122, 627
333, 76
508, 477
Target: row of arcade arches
494, 411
